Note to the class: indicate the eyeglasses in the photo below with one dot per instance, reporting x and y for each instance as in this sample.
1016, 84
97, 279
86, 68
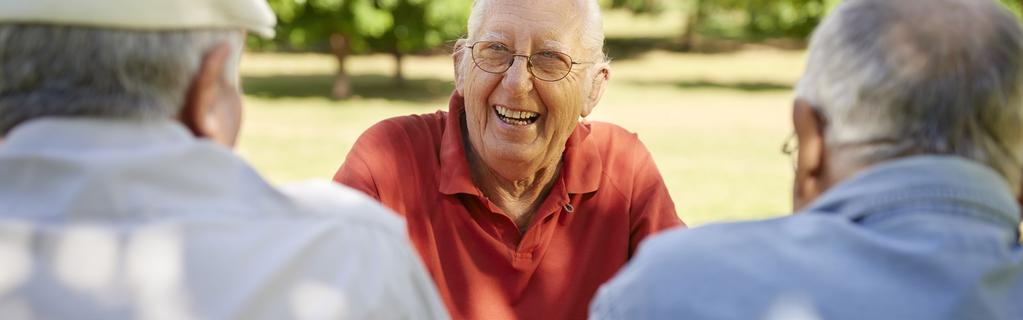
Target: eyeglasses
790, 148
495, 57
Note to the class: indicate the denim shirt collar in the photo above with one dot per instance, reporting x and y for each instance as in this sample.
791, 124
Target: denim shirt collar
921, 179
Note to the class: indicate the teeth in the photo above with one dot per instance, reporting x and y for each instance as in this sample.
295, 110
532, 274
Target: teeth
514, 114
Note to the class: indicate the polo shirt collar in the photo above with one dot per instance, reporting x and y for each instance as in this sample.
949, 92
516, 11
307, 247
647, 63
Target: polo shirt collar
580, 172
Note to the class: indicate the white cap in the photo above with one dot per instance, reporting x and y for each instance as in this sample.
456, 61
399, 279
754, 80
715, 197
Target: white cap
252, 15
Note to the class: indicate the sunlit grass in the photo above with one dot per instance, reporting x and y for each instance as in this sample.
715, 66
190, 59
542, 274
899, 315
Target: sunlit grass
620, 23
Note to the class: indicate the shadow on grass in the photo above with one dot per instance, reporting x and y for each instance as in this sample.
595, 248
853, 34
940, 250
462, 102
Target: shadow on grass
633, 47
704, 84
363, 86
625, 48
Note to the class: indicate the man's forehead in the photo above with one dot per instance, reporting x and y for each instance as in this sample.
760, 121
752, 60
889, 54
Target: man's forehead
506, 17
568, 4
562, 10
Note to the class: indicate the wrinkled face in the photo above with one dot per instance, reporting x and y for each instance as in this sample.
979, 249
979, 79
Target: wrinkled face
517, 124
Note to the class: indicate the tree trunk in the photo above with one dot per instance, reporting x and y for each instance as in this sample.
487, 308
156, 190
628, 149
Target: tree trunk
342, 88
692, 25
399, 71
752, 16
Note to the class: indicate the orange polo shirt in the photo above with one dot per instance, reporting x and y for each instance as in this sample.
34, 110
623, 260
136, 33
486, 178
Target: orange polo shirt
607, 199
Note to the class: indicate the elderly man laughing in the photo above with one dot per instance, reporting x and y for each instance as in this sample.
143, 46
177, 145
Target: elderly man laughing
518, 209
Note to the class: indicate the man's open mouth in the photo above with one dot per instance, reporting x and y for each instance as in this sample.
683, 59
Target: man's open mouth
516, 117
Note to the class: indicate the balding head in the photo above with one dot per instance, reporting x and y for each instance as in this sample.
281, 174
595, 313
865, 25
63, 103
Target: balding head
896, 78
586, 11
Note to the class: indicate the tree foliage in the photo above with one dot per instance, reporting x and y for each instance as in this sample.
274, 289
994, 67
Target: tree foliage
636, 6
415, 24
756, 19
345, 27
748, 19
401, 27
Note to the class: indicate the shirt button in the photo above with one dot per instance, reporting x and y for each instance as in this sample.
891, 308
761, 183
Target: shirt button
569, 207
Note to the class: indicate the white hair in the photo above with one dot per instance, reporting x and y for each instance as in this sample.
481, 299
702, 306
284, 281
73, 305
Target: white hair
71, 71
894, 78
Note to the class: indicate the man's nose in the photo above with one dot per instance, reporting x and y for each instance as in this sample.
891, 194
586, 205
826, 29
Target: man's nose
518, 79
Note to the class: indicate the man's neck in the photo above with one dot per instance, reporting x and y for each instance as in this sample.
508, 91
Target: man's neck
518, 198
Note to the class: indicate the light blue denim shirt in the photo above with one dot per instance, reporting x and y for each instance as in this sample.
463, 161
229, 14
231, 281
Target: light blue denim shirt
925, 237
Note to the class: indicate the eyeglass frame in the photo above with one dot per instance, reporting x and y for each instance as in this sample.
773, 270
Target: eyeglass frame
529, 62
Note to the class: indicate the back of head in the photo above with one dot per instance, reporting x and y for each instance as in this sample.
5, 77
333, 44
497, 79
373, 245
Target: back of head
63, 71
113, 58
898, 78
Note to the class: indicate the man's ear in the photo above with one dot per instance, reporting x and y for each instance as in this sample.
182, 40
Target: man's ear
812, 157
457, 57
200, 112
597, 87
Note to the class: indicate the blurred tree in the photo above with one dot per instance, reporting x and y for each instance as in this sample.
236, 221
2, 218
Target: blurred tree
756, 18
778, 18
347, 27
1018, 4
696, 15
421, 25
401, 27
747, 19
637, 6
752, 19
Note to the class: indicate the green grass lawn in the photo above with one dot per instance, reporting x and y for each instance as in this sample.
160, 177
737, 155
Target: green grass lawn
714, 123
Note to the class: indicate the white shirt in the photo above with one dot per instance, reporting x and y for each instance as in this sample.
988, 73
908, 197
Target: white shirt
108, 219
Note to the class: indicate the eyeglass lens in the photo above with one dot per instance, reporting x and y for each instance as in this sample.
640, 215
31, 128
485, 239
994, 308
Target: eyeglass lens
495, 57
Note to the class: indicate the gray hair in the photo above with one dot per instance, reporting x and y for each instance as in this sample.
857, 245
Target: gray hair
893, 78
70, 71
593, 26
